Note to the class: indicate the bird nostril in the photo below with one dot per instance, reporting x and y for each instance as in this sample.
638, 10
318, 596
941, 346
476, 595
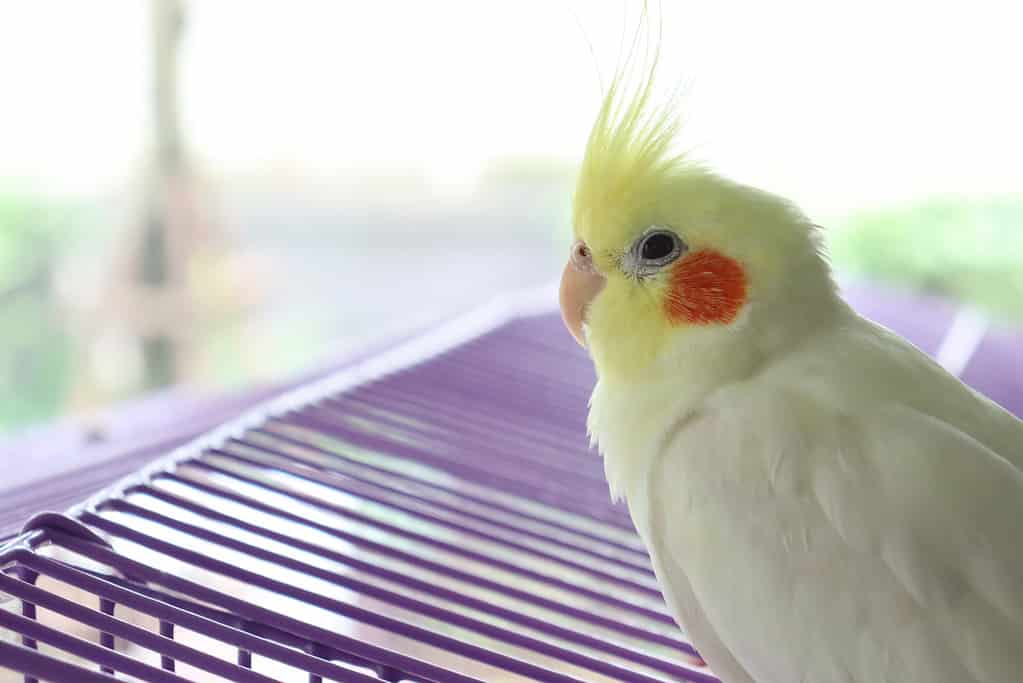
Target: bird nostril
581, 257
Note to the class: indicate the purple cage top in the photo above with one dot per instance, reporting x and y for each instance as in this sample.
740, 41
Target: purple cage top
430, 513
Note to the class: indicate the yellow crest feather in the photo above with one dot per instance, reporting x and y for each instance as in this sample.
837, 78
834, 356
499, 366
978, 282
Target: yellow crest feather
629, 153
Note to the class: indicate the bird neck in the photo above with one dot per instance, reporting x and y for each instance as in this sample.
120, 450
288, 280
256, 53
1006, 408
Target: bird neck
632, 416
631, 419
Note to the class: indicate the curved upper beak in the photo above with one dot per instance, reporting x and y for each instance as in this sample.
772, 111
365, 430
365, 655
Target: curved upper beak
580, 284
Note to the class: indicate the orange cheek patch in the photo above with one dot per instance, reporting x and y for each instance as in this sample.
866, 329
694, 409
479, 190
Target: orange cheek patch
705, 287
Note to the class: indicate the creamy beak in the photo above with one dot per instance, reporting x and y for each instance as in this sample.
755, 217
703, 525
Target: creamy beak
580, 284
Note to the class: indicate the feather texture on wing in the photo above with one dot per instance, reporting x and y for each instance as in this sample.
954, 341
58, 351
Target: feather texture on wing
823, 541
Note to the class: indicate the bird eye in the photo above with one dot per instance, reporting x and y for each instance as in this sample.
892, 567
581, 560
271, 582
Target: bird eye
659, 248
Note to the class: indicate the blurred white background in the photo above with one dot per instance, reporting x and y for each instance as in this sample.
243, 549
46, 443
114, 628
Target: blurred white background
834, 105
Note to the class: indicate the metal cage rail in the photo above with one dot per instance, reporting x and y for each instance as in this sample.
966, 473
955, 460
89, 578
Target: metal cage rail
430, 514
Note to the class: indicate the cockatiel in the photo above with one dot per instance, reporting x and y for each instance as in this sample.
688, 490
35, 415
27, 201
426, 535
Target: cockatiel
822, 503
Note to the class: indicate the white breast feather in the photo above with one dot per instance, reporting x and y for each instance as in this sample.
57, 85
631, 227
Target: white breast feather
852, 513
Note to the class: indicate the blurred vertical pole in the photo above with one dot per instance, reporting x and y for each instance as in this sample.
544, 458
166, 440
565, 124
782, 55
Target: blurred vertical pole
158, 345
140, 334
168, 25
171, 281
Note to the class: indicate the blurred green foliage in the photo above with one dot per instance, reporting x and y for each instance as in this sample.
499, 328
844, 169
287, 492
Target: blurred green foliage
35, 344
965, 248
35, 362
27, 233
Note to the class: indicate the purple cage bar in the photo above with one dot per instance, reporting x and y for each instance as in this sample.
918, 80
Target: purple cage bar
430, 513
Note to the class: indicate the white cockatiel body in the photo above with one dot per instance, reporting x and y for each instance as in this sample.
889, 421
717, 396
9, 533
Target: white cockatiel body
830, 518
821, 501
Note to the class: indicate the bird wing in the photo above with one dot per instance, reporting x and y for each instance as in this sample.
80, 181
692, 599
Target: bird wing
821, 546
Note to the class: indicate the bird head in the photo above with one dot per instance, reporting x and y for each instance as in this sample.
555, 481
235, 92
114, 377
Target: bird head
669, 258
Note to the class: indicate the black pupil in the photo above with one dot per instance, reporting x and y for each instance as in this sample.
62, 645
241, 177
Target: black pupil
657, 247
